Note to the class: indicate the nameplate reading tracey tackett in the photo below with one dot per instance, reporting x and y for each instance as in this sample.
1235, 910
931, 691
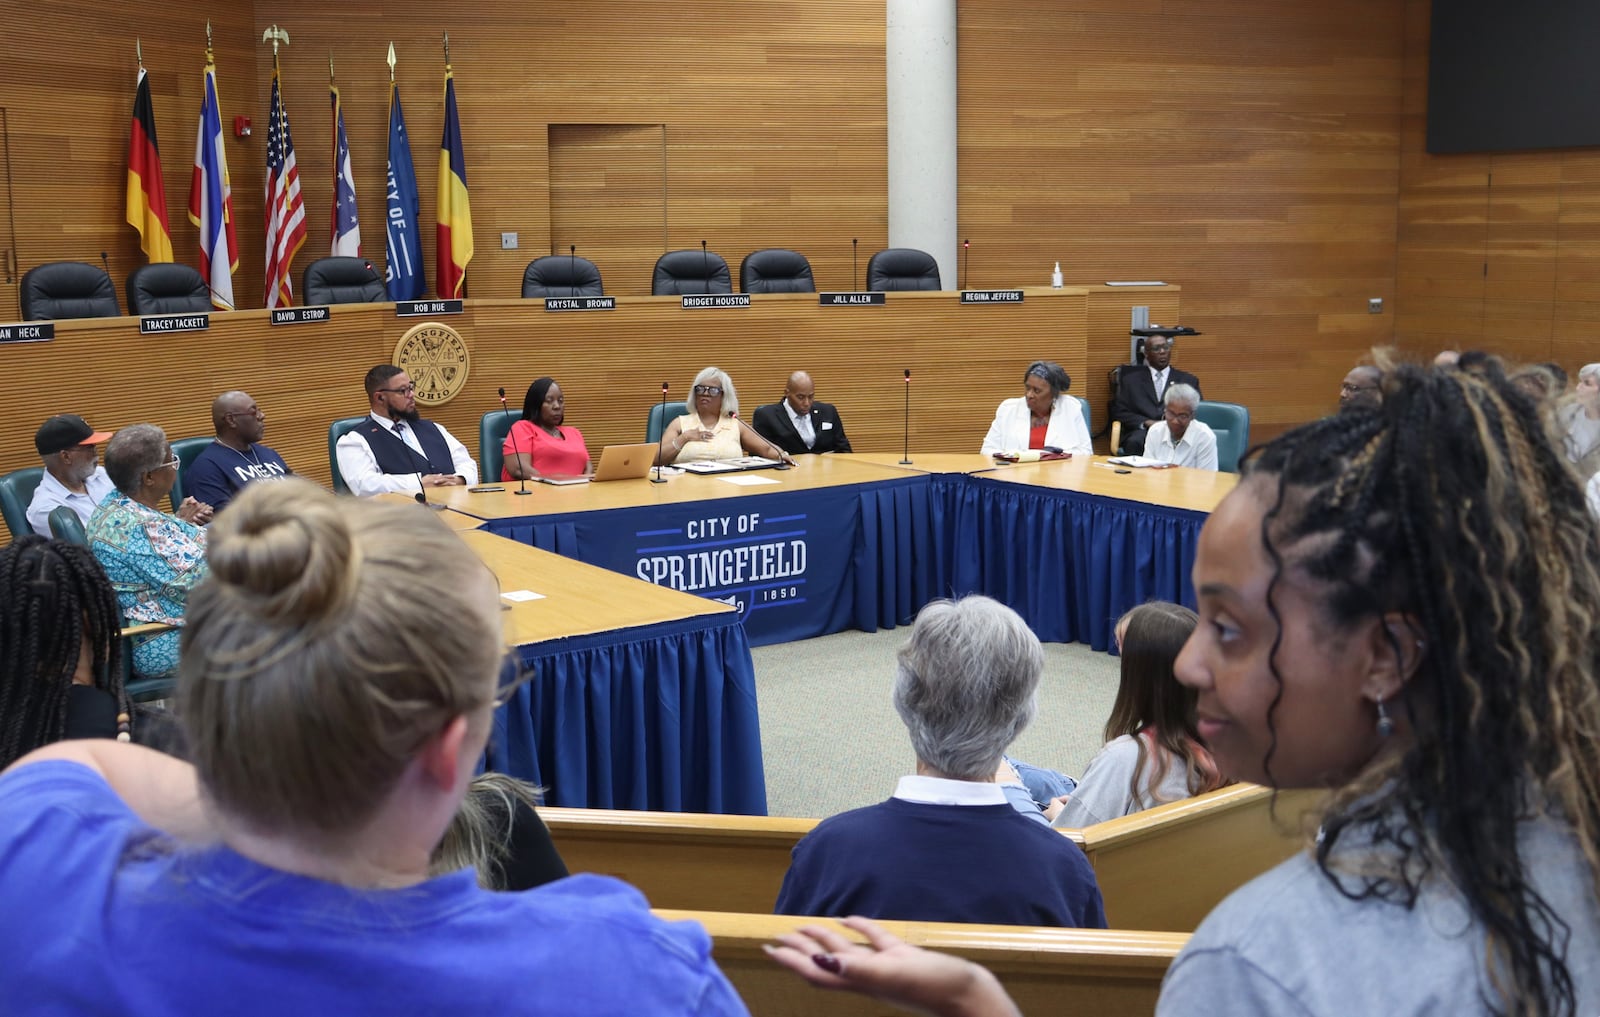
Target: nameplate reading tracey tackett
862, 299
716, 300
300, 315
156, 324
991, 296
42, 332
426, 308
580, 303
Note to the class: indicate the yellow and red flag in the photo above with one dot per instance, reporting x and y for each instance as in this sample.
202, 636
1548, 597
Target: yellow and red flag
455, 213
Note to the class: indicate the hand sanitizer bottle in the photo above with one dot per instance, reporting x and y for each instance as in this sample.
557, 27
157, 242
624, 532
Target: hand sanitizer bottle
1055, 277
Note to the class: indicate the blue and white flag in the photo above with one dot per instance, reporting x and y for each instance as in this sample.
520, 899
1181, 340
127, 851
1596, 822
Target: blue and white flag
404, 274
345, 232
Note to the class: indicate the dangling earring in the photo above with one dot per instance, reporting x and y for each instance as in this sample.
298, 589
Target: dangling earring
1385, 722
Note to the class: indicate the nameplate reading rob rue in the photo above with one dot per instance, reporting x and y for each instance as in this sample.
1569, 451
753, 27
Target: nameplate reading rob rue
155, 324
866, 299
991, 296
717, 300
300, 315
580, 303
42, 332
422, 308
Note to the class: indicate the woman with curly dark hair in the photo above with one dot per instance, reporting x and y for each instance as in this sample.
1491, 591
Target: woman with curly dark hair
1399, 605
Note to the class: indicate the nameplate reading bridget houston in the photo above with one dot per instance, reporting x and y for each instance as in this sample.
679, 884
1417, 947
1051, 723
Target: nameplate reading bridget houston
717, 300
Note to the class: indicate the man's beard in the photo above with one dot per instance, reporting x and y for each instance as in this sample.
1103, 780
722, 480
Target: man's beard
410, 416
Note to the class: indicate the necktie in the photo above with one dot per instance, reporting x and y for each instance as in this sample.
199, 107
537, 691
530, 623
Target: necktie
405, 434
808, 434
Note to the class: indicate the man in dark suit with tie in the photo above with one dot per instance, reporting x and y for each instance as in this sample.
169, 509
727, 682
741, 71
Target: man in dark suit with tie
799, 424
394, 449
1137, 403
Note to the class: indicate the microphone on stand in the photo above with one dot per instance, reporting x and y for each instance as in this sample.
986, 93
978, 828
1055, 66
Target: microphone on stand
907, 460
514, 449
705, 265
661, 442
105, 262
422, 491
853, 242
783, 464
572, 284
966, 263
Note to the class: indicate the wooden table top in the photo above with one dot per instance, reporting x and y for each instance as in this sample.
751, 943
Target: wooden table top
1180, 487
578, 599
932, 462
453, 519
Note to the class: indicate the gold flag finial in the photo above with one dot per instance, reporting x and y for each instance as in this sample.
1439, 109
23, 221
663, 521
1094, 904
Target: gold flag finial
208, 41
330, 66
275, 35
447, 49
138, 51
391, 63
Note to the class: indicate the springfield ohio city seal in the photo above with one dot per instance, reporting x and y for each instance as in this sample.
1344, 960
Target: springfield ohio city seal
436, 358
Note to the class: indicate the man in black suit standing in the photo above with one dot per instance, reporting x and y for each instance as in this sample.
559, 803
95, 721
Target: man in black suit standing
1137, 403
799, 424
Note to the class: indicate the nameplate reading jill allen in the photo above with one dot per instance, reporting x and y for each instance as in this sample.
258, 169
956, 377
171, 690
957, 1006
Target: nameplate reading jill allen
865, 299
717, 300
991, 296
300, 315
580, 303
155, 324
422, 308
39, 333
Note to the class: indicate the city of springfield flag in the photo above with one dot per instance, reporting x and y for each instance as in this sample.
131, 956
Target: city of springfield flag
147, 195
345, 231
404, 274
455, 214
286, 210
211, 198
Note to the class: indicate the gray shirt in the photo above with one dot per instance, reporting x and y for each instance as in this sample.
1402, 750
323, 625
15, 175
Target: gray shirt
1104, 792
1289, 943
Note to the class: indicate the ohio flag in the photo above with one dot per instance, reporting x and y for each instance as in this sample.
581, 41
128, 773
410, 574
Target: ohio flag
345, 231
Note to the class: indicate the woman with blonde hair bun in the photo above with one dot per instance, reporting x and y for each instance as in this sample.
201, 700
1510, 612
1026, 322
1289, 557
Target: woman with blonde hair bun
338, 677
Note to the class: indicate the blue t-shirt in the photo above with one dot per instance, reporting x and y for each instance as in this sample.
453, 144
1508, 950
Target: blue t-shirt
916, 862
219, 472
99, 914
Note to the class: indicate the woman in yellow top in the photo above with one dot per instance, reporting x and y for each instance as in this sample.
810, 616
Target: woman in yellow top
712, 428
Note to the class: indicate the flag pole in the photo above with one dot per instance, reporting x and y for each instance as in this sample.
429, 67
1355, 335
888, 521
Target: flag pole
447, 51
391, 63
138, 51
209, 58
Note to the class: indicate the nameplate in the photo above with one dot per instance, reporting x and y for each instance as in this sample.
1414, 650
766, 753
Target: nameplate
717, 300
864, 299
42, 332
300, 315
157, 323
991, 296
580, 303
426, 308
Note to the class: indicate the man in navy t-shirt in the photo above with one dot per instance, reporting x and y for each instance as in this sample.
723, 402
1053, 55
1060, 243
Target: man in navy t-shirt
237, 457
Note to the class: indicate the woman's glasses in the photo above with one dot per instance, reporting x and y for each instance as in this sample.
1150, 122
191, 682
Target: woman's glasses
708, 390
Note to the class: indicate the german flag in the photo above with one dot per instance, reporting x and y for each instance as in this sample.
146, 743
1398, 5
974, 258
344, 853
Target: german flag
147, 196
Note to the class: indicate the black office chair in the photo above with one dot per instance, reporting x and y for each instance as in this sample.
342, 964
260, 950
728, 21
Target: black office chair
68, 289
167, 288
562, 275
687, 272
776, 270
342, 281
903, 268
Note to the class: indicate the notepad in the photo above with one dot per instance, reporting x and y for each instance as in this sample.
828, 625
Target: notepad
521, 595
745, 480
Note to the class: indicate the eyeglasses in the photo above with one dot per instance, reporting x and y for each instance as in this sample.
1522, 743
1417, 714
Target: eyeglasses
513, 676
708, 390
170, 464
1347, 387
1156, 347
399, 391
1182, 418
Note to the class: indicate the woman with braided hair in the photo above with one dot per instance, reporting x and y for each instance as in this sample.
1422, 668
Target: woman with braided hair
60, 655
1398, 605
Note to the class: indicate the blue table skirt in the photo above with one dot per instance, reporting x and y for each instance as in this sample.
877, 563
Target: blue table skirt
1070, 563
660, 717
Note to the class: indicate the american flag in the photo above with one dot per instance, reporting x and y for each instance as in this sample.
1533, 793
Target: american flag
346, 229
286, 211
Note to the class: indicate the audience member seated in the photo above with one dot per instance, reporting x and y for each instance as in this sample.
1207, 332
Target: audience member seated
237, 457
1045, 417
539, 444
154, 558
335, 716
799, 424
1140, 390
947, 847
1362, 388
396, 450
72, 474
1180, 439
1376, 619
712, 428
498, 834
60, 650
1582, 422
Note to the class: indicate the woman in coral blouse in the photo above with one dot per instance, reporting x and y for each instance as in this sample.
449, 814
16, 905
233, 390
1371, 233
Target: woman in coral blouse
539, 445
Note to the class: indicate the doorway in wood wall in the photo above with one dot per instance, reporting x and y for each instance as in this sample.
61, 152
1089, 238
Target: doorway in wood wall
608, 198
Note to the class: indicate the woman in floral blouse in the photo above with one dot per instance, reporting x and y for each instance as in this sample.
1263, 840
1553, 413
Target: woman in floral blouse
154, 558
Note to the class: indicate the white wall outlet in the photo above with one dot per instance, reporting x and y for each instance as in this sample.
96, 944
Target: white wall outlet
508, 241
1375, 305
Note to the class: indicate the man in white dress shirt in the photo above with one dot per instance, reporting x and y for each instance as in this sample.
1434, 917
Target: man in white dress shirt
1141, 389
73, 475
799, 424
395, 449
1180, 439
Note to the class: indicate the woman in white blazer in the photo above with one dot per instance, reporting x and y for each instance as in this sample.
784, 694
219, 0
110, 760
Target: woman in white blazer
1045, 416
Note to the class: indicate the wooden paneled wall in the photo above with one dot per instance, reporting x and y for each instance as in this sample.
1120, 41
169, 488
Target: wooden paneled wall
1496, 252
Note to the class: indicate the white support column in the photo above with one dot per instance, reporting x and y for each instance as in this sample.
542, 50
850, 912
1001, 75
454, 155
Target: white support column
920, 55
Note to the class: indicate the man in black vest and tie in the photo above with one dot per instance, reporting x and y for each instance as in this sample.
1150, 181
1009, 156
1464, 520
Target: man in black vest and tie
799, 424
395, 449
1139, 392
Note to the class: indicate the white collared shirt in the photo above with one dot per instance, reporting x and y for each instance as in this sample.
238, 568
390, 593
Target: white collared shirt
1197, 447
52, 494
360, 470
944, 791
802, 425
